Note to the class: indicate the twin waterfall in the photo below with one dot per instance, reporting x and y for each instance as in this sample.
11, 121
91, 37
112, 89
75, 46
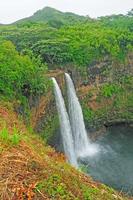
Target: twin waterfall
81, 142
74, 135
65, 126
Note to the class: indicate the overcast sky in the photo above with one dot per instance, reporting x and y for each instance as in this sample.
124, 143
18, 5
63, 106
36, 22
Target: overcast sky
12, 10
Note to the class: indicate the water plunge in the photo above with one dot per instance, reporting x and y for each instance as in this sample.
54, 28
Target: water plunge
82, 143
65, 125
75, 140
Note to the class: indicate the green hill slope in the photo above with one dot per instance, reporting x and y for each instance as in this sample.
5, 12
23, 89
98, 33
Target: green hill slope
53, 17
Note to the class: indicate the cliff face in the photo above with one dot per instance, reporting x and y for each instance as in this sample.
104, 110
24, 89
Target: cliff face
108, 70
103, 71
108, 98
105, 92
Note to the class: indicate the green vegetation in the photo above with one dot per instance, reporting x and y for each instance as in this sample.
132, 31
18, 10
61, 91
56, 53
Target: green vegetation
22, 76
53, 18
108, 90
88, 113
114, 102
55, 188
19, 74
58, 40
64, 38
15, 137
88, 193
4, 134
12, 139
51, 125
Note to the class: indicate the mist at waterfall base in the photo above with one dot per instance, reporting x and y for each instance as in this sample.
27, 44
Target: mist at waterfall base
113, 165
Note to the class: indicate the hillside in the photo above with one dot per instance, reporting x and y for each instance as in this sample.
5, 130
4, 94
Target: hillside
28, 170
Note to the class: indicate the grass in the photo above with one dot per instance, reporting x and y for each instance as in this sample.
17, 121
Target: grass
55, 188
12, 139
4, 135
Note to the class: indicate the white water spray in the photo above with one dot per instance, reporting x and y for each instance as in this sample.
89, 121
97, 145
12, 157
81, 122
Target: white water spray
65, 126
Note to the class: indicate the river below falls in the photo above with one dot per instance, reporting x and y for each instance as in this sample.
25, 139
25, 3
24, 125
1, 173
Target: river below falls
113, 164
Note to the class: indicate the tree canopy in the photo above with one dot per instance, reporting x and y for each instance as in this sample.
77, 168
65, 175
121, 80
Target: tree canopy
80, 43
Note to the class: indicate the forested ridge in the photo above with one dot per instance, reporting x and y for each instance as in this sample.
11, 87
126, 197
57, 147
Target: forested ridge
81, 43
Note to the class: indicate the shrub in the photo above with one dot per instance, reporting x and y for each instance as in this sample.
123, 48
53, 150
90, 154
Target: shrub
6, 137
4, 134
108, 90
20, 75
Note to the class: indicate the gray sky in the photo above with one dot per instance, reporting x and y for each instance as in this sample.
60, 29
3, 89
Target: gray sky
12, 10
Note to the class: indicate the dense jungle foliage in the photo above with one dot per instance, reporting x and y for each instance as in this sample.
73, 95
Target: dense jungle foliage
22, 77
57, 40
20, 74
79, 42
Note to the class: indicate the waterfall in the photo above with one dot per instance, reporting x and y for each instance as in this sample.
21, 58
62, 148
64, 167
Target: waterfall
82, 144
65, 126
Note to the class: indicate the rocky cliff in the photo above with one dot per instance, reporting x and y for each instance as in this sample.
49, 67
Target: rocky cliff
105, 92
